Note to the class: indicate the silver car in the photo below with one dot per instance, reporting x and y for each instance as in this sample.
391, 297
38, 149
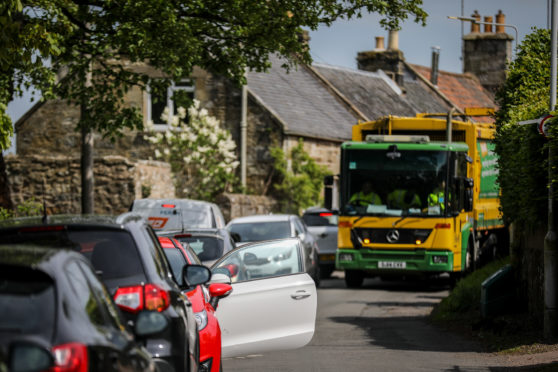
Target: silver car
279, 226
322, 223
179, 214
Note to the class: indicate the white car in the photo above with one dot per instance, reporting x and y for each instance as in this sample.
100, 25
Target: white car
179, 214
322, 223
273, 302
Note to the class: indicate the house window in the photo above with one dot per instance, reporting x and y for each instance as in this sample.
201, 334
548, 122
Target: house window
177, 95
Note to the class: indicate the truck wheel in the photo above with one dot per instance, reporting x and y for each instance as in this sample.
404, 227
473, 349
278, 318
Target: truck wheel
354, 278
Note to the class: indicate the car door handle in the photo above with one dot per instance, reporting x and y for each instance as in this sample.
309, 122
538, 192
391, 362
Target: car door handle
299, 295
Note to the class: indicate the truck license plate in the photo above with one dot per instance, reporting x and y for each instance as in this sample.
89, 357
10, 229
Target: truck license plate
391, 265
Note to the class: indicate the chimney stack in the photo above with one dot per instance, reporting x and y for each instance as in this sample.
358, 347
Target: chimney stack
435, 65
486, 54
391, 60
488, 24
380, 43
475, 27
393, 40
500, 20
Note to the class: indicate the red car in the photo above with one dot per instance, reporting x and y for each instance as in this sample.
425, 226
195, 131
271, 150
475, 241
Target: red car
204, 301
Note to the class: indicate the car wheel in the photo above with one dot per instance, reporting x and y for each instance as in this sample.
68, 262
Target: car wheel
317, 276
354, 278
325, 272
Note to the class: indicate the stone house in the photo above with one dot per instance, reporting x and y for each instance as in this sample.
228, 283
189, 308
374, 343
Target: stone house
318, 104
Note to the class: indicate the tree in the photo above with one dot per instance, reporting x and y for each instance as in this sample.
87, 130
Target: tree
200, 152
300, 179
95, 43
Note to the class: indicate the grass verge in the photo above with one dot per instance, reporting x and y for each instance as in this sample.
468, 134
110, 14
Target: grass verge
511, 333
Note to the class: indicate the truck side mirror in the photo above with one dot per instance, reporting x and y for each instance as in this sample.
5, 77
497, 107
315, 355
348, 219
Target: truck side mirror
468, 202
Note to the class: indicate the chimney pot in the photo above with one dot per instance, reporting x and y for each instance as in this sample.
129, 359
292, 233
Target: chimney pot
488, 27
475, 27
393, 40
380, 43
500, 20
435, 65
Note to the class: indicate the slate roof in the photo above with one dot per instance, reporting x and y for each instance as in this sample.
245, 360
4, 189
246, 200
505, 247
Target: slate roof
464, 90
302, 103
324, 101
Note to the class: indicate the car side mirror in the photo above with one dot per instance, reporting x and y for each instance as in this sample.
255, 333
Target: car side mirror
149, 323
218, 291
29, 356
193, 275
235, 237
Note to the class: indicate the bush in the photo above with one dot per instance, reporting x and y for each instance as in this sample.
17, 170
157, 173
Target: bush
28, 208
300, 180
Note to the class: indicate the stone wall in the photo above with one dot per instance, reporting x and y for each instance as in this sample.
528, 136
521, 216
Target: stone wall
154, 180
239, 205
116, 182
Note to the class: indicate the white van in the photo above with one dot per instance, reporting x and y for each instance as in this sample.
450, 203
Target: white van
179, 214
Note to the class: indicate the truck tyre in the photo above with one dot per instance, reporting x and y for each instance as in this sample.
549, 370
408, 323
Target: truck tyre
354, 278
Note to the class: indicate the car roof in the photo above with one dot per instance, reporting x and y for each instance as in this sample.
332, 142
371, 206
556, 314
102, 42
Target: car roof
180, 203
262, 218
318, 210
69, 220
34, 256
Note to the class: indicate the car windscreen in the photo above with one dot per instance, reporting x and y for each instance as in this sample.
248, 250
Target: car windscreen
27, 302
177, 262
207, 248
320, 219
113, 253
258, 231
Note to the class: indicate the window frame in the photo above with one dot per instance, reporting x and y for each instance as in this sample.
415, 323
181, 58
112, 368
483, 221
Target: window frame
190, 88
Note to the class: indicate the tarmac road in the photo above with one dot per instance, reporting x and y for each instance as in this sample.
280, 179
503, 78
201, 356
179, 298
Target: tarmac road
380, 327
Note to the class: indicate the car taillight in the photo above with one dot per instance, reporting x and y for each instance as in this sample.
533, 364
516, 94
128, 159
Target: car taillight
129, 299
326, 214
71, 357
136, 298
168, 205
156, 299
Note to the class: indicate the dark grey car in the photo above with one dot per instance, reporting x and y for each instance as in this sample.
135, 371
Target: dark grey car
322, 223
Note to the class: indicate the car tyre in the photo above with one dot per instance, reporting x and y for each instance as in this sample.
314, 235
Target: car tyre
354, 278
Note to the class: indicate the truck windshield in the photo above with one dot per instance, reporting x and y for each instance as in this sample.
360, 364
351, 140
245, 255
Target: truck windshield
394, 182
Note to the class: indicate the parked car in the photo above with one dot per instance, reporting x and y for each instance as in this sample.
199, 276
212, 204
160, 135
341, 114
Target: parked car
208, 325
55, 309
179, 214
279, 226
208, 244
127, 256
322, 223
273, 302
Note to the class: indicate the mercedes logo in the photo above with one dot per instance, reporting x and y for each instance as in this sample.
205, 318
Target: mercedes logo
392, 236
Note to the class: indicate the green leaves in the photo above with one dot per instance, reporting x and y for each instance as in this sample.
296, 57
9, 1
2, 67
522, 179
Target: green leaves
103, 37
299, 185
523, 153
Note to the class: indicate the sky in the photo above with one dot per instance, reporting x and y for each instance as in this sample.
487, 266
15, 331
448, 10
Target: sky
339, 44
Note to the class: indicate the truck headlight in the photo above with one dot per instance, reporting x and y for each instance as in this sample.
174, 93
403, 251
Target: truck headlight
440, 259
345, 257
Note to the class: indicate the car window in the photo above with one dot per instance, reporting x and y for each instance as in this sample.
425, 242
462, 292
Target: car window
192, 257
177, 262
320, 219
264, 260
207, 248
27, 302
105, 301
257, 231
106, 249
82, 294
161, 262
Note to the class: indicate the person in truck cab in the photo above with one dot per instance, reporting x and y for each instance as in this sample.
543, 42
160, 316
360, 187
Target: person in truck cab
365, 196
437, 196
403, 199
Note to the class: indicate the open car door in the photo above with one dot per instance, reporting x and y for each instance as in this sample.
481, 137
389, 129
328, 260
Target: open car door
273, 302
